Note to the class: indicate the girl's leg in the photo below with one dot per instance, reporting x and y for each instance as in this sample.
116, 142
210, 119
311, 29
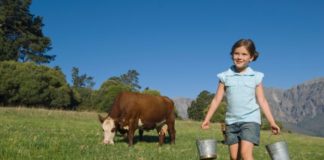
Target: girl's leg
246, 150
234, 151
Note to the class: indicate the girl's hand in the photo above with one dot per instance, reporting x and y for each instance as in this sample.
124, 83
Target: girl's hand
205, 125
275, 129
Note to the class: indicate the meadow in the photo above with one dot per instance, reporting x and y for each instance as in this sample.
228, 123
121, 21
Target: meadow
56, 134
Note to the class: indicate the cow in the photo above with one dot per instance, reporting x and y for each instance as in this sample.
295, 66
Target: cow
131, 111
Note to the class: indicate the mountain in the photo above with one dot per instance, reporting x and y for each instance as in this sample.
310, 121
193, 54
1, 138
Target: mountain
299, 108
182, 105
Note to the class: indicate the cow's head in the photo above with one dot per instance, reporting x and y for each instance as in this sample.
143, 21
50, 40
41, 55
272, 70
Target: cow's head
109, 129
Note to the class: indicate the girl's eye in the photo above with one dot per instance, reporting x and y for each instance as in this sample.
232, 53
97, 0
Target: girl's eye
241, 54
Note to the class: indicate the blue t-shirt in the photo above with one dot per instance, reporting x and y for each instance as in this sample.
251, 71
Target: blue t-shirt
240, 93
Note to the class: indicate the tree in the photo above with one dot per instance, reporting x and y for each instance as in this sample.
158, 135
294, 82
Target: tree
131, 79
33, 85
107, 93
198, 106
21, 35
81, 81
109, 90
149, 91
82, 90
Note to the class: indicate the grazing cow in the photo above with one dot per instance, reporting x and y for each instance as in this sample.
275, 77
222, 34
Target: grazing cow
132, 111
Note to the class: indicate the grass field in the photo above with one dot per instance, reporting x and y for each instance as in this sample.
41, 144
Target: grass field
54, 134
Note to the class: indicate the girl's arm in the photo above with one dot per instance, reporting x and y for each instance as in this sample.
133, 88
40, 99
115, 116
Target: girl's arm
214, 105
266, 109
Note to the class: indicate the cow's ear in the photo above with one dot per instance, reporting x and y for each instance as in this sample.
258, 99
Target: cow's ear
101, 119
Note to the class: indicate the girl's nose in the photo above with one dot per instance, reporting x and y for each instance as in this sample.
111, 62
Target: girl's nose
238, 56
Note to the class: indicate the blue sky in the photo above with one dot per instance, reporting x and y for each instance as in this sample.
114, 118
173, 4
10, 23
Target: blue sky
179, 46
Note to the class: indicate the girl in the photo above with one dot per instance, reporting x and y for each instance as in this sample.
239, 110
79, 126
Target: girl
244, 93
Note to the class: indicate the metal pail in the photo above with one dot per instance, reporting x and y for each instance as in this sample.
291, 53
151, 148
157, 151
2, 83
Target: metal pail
206, 148
278, 150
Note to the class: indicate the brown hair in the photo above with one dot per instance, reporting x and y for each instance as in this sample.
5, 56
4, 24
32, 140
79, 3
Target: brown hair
249, 45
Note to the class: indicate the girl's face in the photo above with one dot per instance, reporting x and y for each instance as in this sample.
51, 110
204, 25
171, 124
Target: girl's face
241, 58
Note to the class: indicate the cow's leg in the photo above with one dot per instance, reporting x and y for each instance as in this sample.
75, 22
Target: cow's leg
130, 136
140, 131
131, 132
171, 132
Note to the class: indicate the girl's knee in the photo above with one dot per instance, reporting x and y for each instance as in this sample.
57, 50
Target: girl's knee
246, 155
234, 158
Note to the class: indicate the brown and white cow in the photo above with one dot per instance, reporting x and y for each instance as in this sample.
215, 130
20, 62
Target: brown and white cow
132, 111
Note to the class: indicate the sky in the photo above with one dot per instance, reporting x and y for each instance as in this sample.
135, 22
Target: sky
179, 46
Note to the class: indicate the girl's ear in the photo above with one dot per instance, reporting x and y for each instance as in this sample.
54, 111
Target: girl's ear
252, 58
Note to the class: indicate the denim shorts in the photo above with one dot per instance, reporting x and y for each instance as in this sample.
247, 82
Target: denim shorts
248, 131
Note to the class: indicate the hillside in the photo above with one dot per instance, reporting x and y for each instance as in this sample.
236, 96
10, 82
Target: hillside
300, 107
54, 134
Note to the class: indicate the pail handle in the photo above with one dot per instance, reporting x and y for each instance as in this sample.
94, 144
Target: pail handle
281, 135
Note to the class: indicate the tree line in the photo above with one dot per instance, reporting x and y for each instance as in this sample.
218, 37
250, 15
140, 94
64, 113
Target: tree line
31, 85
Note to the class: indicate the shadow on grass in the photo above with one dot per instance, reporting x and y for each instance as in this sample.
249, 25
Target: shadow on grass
145, 138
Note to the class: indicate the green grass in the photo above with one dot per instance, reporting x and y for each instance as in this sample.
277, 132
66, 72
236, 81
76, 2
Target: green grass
54, 134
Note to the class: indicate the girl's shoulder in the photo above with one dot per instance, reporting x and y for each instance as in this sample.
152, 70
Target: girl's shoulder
258, 77
258, 74
222, 75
